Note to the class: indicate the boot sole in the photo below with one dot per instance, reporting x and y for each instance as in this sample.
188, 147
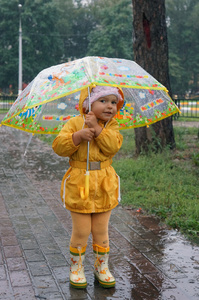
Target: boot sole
78, 285
105, 284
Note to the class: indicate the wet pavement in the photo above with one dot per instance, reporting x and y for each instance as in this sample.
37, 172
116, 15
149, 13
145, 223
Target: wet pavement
149, 260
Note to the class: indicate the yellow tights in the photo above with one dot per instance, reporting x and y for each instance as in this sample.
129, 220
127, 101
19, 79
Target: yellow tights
84, 224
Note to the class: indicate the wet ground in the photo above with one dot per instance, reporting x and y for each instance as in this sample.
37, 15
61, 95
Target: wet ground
149, 260
186, 124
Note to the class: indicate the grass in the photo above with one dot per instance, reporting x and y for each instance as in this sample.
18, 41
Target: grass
163, 184
185, 119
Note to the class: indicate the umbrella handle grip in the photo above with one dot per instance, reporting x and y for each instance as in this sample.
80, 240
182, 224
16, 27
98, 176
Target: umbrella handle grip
84, 191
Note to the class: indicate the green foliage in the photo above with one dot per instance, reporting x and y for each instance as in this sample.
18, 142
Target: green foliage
183, 38
76, 23
195, 158
112, 36
41, 43
9, 41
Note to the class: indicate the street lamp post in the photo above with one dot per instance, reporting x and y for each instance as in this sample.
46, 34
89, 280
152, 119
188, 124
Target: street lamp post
20, 52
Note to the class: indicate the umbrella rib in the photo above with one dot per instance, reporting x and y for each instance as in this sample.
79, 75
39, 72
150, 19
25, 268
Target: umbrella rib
87, 68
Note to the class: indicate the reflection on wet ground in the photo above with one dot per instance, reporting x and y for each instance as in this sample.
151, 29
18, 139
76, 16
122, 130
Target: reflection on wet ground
148, 260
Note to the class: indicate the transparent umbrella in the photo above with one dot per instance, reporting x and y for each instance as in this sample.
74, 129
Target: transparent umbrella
51, 99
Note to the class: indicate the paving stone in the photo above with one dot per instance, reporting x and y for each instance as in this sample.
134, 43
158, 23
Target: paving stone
155, 256
71, 293
49, 295
144, 266
39, 268
7, 231
40, 237
25, 235
22, 227
144, 290
50, 248
5, 291
24, 293
29, 244
40, 229
15, 210
9, 240
12, 251
34, 255
45, 284
16, 264
160, 281
143, 246
119, 292
56, 260
172, 271
29, 211
20, 278
174, 294
2, 273
1, 257
61, 273
58, 232
190, 285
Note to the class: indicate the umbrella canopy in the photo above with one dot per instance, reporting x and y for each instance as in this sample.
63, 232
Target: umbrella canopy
51, 99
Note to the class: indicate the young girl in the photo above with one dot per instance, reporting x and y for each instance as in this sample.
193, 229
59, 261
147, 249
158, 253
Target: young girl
91, 215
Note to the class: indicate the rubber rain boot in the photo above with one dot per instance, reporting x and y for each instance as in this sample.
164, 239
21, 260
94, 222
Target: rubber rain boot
77, 276
101, 271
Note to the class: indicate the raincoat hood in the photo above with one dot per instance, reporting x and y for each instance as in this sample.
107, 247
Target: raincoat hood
84, 95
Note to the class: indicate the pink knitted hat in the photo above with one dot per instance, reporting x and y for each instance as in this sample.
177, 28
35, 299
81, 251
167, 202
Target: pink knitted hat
101, 91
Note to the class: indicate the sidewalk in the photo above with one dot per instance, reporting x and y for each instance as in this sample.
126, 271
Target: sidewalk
186, 124
149, 261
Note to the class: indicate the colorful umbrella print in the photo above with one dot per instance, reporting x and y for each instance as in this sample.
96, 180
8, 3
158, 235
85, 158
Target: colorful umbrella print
51, 99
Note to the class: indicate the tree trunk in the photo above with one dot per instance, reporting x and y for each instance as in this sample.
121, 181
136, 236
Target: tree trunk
150, 48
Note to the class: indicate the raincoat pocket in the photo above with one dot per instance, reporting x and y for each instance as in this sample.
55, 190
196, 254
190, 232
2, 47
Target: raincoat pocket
70, 190
110, 189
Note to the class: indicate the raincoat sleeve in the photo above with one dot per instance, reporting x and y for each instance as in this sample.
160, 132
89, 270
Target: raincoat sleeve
63, 144
110, 140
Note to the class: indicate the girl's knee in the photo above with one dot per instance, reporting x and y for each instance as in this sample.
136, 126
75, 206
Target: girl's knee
81, 233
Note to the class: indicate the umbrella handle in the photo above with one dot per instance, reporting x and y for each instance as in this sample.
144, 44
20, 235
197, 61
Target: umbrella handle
84, 191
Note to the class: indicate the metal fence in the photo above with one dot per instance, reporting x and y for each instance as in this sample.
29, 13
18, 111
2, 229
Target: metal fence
189, 108
6, 102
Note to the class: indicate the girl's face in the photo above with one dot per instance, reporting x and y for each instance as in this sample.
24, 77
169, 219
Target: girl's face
105, 107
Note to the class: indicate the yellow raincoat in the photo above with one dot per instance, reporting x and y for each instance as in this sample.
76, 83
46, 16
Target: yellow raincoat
104, 183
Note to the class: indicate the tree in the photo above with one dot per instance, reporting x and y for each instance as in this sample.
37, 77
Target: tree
64, 27
151, 52
9, 42
83, 22
53, 32
41, 41
112, 35
183, 37
42, 46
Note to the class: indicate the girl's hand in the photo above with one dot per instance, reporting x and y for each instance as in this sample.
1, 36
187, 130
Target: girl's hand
85, 134
91, 122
